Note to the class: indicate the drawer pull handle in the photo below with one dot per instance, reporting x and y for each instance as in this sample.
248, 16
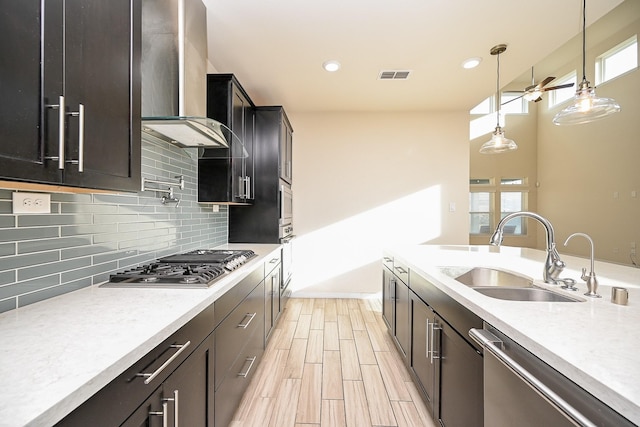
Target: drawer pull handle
251, 361
401, 270
150, 377
245, 324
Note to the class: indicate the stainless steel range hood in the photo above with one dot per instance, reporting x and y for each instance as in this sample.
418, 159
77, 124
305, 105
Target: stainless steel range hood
174, 70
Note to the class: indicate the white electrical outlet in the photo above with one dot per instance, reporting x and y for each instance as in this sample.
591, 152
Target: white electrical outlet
31, 203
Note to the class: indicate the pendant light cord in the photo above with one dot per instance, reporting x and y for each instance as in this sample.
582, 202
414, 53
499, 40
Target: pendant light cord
584, 39
498, 92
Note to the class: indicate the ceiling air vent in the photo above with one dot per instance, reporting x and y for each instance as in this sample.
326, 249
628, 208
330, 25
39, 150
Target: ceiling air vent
394, 75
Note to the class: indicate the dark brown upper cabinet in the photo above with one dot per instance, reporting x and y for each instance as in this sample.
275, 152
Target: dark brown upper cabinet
71, 93
226, 174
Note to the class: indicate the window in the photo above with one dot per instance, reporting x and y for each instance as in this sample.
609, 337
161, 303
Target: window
487, 110
516, 103
486, 199
480, 212
513, 201
560, 95
485, 107
481, 181
617, 61
512, 181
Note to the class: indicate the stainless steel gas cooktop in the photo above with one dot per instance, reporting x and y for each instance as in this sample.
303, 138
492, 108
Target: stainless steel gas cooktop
191, 270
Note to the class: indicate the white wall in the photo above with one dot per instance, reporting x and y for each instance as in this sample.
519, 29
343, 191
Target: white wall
366, 180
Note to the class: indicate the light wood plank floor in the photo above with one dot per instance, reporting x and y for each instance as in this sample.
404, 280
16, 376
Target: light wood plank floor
331, 362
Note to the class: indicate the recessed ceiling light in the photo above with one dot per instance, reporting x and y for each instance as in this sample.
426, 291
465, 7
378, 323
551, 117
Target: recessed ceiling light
471, 62
331, 66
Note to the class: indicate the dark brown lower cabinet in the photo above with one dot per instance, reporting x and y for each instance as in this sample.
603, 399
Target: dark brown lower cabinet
461, 387
197, 376
239, 347
447, 368
421, 360
185, 398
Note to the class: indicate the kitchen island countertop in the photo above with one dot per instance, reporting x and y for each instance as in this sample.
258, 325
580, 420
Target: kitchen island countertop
594, 342
57, 353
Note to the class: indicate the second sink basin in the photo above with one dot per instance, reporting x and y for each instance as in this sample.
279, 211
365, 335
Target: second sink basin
525, 294
485, 276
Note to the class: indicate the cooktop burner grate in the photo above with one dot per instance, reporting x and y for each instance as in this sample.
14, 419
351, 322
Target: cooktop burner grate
195, 269
170, 274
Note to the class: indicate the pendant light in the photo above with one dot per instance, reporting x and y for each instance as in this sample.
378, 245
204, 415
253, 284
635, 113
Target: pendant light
498, 142
586, 106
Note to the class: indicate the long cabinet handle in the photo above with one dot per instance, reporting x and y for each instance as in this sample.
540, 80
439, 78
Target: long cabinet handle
150, 377
246, 324
248, 184
428, 351
80, 115
434, 354
174, 399
81, 138
488, 341
163, 414
60, 106
251, 361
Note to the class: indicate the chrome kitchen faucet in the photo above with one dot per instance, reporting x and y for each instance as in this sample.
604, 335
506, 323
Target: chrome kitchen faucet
553, 265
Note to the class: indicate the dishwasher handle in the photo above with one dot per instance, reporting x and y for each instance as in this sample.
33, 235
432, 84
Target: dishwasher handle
494, 345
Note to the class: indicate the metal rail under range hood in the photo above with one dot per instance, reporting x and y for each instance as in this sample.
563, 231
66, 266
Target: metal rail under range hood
174, 69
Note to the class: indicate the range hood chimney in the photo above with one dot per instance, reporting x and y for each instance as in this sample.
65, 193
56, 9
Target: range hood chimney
174, 70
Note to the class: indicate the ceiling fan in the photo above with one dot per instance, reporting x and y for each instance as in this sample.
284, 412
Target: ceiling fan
534, 92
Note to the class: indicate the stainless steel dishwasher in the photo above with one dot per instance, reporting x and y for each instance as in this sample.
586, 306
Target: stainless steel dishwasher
522, 390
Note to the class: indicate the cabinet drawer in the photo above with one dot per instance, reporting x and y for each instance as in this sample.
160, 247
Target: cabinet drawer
401, 270
230, 300
270, 265
228, 396
236, 330
387, 261
111, 405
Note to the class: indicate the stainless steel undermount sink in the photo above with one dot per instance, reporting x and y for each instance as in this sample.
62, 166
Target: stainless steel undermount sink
485, 276
505, 285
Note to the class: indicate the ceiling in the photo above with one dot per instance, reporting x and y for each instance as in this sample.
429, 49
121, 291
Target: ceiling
276, 48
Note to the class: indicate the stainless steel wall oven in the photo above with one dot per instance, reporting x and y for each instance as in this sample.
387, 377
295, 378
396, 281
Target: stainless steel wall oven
286, 205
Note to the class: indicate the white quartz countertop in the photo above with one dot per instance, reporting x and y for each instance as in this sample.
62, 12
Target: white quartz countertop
57, 353
595, 343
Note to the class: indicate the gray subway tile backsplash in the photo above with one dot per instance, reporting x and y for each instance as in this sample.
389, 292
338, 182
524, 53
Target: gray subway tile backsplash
89, 236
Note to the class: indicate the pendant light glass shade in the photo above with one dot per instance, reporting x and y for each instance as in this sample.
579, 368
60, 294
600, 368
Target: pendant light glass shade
586, 106
498, 143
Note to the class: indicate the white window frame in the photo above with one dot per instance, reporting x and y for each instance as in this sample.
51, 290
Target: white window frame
495, 187
559, 96
522, 104
628, 48
483, 116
